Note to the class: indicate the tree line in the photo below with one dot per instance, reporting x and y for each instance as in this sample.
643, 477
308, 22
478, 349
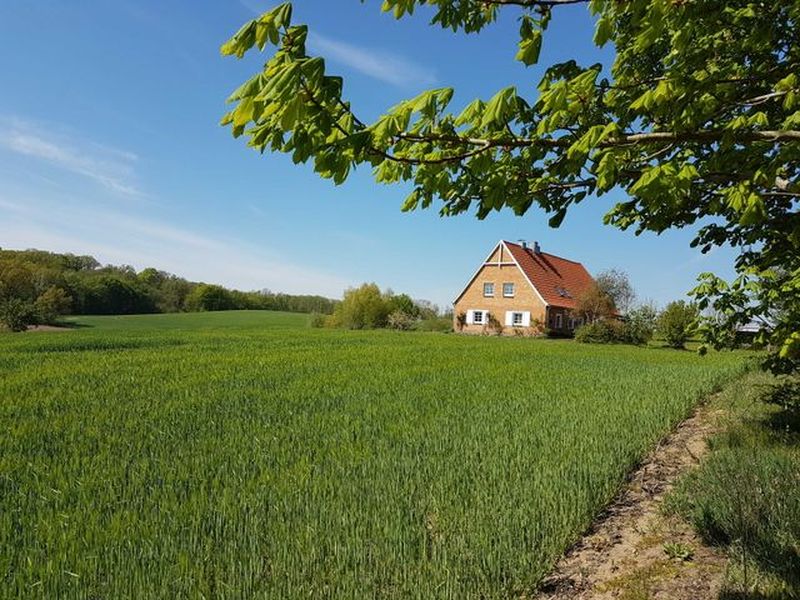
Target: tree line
38, 287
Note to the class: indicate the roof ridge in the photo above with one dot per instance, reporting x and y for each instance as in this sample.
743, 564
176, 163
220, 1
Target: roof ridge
577, 262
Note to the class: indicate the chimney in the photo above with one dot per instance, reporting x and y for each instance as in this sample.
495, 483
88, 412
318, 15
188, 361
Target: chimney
524, 244
536, 248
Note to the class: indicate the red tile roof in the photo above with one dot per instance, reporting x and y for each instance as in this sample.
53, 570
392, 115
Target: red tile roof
559, 281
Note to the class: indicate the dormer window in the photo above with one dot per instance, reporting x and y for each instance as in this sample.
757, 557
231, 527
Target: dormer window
488, 290
563, 292
508, 290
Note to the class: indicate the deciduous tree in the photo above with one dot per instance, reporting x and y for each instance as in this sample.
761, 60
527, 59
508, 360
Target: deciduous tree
677, 323
594, 303
363, 308
617, 286
696, 123
51, 304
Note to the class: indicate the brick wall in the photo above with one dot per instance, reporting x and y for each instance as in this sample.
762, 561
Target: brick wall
525, 298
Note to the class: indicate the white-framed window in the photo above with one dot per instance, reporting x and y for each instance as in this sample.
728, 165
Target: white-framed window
518, 318
571, 323
478, 317
559, 321
488, 290
508, 290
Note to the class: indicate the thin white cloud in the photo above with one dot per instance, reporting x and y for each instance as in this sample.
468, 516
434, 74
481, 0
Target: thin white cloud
384, 66
110, 167
120, 238
378, 64
257, 7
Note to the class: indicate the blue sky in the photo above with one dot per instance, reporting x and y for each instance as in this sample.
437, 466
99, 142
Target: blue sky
110, 145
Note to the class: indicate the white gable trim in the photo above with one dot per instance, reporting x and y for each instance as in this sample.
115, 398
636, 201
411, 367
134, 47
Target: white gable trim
483, 264
524, 274
506, 251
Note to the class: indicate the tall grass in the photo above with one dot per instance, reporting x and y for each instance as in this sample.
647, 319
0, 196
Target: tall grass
746, 496
156, 460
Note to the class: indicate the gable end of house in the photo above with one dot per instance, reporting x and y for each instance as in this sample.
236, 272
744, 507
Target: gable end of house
500, 256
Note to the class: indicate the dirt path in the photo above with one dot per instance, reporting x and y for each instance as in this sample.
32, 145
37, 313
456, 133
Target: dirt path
623, 556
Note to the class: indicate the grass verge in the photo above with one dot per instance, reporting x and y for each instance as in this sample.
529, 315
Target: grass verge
746, 496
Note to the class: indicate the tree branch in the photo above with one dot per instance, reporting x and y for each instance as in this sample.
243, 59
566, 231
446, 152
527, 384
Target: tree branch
650, 137
533, 3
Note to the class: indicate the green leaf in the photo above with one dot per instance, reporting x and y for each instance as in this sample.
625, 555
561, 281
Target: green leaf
243, 113
606, 171
241, 42
556, 220
604, 30
292, 113
411, 201
248, 88
755, 211
282, 15
529, 48
471, 114
499, 109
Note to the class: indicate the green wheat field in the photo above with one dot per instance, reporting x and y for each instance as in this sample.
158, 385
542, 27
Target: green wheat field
246, 455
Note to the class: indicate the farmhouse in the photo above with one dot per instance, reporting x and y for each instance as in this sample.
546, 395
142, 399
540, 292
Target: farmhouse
520, 289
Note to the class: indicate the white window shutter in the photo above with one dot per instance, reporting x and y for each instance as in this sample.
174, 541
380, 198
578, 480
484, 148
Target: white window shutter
470, 317
526, 319
509, 318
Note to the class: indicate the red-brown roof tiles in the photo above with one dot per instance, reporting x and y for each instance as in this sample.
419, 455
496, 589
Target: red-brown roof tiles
558, 280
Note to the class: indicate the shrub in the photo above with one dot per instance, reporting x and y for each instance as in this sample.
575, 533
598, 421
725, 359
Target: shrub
16, 314
493, 326
612, 331
677, 323
400, 320
605, 331
440, 324
366, 307
317, 320
53, 303
538, 327
362, 308
461, 321
401, 303
641, 324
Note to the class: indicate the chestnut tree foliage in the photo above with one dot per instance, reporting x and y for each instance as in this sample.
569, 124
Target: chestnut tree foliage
697, 124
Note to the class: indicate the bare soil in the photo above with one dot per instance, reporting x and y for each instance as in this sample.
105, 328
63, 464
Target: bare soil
623, 556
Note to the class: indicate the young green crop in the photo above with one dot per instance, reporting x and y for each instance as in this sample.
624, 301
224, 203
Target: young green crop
241, 455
